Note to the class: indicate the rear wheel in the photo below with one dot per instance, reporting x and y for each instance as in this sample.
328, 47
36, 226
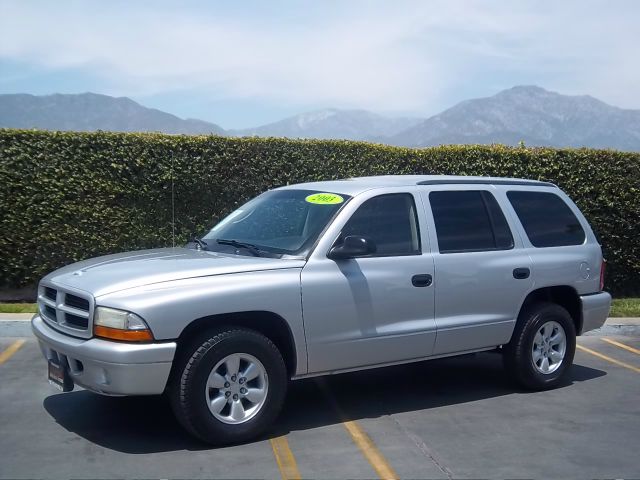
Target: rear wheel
229, 386
542, 348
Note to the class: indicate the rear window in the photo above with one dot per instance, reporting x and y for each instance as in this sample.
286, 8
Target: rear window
547, 219
469, 221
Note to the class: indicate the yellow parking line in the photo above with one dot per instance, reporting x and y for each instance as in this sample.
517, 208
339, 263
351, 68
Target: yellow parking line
622, 345
360, 438
608, 359
284, 456
11, 349
370, 451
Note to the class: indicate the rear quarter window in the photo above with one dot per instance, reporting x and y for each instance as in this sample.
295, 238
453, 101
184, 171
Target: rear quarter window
547, 219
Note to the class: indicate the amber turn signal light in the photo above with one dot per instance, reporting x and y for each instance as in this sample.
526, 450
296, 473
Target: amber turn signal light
122, 335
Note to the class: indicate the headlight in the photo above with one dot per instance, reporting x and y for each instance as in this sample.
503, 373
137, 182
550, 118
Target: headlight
120, 325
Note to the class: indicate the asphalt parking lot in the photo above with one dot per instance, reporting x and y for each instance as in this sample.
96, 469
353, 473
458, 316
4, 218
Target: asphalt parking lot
452, 418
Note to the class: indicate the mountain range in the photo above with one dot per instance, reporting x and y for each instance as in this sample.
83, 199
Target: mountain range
334, 123
528, 114
90, 111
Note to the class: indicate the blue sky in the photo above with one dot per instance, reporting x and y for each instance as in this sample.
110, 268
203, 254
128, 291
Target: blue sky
242, 64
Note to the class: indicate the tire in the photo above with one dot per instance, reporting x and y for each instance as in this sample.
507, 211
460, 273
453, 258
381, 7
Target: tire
524, 356
197, 383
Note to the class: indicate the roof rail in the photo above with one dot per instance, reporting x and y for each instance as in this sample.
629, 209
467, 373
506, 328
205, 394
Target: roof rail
488, 181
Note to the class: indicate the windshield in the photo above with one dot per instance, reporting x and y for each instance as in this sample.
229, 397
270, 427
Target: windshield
276, 222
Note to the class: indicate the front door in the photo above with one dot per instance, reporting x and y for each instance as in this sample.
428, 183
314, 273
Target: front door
374, 309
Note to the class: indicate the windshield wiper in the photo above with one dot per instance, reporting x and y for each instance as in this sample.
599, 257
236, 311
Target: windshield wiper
201, 244
255, 251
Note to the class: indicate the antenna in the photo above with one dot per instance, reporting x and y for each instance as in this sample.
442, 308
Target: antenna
173, 208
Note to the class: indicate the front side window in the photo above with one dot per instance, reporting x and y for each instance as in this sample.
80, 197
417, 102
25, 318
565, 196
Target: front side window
547, 219
389, 222
277, 222
469, 221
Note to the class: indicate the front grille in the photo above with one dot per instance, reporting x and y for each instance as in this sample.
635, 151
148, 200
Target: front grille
67, 311
50, 312
76, 321
77, 302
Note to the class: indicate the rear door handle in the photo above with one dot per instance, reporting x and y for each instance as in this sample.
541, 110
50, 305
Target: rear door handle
423, 280
521, 273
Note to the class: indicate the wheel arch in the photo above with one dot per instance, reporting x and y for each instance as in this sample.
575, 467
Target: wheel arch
269, 324
563, 295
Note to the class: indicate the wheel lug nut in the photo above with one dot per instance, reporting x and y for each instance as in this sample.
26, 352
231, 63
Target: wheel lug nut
227, 384
233, 378
235, 397
243, 390
227, 394
242, 380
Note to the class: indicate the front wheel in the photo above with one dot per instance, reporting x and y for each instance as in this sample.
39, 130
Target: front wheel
230, 386
542, 347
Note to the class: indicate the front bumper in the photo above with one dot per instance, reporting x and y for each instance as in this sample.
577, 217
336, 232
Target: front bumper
595, 310
107, 367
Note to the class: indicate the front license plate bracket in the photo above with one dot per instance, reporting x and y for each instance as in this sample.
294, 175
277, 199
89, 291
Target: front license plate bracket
59, 377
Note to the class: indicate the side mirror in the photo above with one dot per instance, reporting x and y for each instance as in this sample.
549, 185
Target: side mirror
352, 247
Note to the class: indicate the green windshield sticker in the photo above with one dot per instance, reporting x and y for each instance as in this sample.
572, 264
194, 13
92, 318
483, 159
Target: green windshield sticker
324, 198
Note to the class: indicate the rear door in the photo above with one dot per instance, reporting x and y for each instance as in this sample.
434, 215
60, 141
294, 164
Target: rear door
482, 272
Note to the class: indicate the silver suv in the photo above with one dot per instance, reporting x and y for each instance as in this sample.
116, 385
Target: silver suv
327, 277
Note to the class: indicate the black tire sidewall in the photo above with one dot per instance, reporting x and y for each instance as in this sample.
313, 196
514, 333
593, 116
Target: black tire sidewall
194, 378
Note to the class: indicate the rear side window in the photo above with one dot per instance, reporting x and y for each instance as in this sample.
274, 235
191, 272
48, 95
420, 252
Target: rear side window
469, 221
547, 219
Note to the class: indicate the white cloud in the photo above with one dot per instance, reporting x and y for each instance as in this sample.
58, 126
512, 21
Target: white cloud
400, 55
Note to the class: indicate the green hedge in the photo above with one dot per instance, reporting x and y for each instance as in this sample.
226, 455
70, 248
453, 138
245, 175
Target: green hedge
66, 196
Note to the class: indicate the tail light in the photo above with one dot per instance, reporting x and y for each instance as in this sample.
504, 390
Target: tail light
602, 269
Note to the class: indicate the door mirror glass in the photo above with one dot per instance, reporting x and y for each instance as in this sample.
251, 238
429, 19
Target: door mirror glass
352, 247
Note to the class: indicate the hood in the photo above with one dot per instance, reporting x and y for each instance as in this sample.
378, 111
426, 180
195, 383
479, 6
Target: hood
112, 273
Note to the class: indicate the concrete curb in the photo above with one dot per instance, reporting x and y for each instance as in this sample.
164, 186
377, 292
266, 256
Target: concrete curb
623, 321
13, 317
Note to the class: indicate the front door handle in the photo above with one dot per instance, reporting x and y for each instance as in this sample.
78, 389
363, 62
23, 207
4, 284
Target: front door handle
423, 280
521, 273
